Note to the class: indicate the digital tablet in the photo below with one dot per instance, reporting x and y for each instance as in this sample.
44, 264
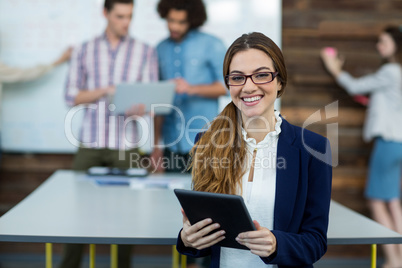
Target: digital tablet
227, 210
156, 96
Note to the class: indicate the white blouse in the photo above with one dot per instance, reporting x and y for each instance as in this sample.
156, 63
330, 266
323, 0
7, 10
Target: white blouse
384, 111
259, 195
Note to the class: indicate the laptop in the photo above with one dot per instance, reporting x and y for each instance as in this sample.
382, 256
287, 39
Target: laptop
156, 96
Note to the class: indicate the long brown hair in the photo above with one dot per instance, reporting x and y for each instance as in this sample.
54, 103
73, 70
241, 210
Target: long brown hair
218, 157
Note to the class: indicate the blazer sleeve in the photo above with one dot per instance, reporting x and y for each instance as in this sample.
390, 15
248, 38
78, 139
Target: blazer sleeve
307, 243
192, 252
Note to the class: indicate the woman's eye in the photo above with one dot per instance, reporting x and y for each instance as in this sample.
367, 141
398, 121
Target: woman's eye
237, 78
262, 75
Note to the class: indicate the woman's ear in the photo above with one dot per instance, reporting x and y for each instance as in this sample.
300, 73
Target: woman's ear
279, 88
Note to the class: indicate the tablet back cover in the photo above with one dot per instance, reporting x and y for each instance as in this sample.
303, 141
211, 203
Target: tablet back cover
227, 210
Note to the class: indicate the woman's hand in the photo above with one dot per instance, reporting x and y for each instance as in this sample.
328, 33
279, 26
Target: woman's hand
261, 242
333, 63
197, 235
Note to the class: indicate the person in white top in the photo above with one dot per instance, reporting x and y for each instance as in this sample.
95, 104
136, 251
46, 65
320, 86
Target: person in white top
383, 124
250, 150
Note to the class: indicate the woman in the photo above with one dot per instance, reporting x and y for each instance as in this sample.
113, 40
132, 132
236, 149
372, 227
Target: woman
384, 125
265, 159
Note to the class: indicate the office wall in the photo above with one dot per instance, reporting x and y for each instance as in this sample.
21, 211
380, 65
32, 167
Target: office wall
37, 31
352, 27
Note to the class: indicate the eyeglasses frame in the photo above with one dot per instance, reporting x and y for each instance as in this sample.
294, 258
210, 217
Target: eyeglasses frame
274, 75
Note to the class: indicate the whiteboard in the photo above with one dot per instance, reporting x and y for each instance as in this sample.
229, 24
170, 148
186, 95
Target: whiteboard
32, 32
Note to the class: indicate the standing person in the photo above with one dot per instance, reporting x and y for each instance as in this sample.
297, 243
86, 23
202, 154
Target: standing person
96, 68
265, 159
192, 59
10, 74
383, 124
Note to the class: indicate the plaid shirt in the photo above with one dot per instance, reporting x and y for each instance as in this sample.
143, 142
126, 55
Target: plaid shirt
96, 65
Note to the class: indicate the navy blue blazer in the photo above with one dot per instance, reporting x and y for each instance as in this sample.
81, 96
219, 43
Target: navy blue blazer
303, 195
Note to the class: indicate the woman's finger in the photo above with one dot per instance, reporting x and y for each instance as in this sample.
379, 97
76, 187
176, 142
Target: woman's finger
184, 215
209, 240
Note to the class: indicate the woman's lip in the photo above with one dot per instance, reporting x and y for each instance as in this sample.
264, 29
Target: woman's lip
251, 103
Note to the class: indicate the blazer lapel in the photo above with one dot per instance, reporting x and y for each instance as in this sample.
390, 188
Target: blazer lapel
287, 177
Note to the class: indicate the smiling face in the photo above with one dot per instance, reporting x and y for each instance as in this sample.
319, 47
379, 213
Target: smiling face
254, 100
386, 46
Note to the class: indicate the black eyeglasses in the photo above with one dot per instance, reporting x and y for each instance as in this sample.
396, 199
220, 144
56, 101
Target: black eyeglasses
257, 78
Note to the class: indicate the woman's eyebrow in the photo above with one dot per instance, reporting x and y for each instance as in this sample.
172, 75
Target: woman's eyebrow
255, 71
262, 68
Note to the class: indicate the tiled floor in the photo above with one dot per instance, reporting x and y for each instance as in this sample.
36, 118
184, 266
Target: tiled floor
38, 261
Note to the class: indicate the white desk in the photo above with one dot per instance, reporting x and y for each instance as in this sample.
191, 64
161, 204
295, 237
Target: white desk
69, 209
349, 227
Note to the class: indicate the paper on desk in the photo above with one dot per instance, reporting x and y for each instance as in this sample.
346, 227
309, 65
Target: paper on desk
157, 183
150, 182
110, 180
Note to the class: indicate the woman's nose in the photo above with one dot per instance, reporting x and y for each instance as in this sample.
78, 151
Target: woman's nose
249, 85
